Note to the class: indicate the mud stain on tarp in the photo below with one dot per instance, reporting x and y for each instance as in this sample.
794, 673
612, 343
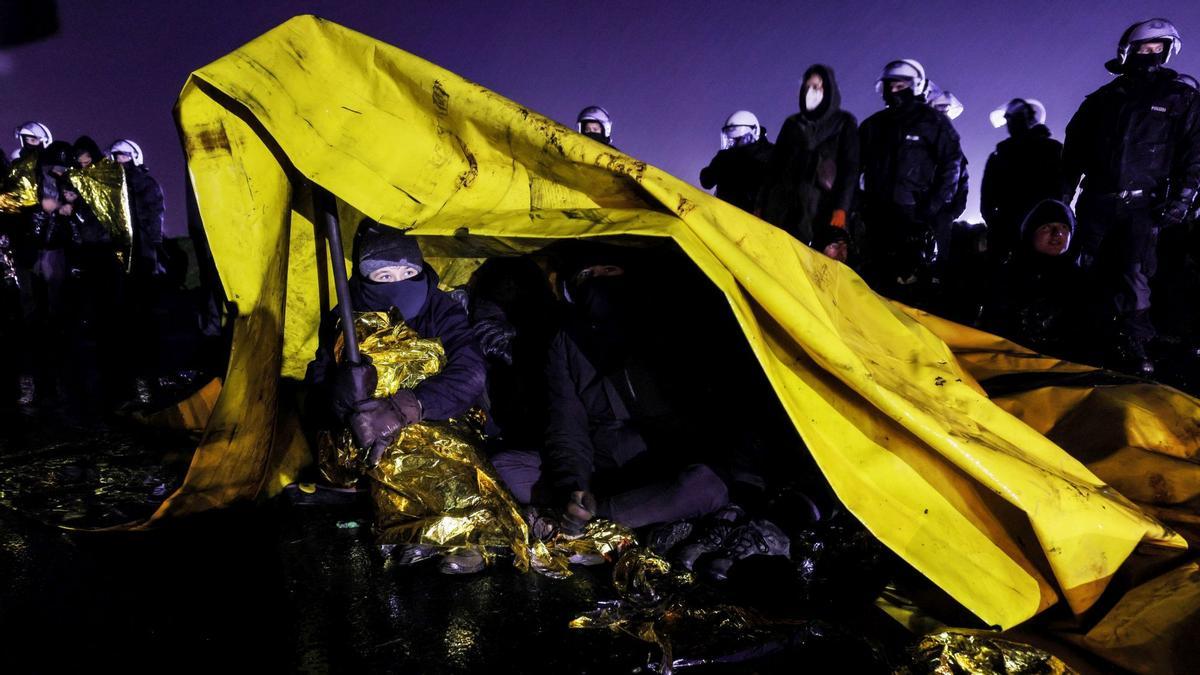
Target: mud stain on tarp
209, 140
622, 164
441, 99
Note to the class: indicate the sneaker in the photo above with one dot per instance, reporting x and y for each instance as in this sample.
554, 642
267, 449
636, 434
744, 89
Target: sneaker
411, 554
711, 538
669, 535
758, 537
462, 561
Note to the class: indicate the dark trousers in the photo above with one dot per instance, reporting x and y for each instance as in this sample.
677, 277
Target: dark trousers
1117, 242
635, 495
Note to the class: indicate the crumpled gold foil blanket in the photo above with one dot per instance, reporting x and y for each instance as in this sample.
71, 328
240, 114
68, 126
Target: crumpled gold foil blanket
600, 537
432, 486
19, 188
102, 188
663, 606
961, 651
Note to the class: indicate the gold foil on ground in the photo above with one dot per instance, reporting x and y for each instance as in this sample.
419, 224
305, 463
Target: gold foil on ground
665, 607
432, 487
600, 538
102, 188
961, 651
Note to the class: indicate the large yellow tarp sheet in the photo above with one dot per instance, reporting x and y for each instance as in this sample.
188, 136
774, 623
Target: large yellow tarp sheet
981, 503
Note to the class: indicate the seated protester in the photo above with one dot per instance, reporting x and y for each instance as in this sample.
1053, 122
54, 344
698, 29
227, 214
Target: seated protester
514, 315
390, 274
627, 427
1038, 291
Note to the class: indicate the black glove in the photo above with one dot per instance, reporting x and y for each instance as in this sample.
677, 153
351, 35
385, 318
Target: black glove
408, 406
376, 421
352, 384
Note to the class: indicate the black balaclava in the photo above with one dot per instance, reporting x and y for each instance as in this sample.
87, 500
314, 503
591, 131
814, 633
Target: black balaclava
378, 246
1145, 64
598, 136
893, 99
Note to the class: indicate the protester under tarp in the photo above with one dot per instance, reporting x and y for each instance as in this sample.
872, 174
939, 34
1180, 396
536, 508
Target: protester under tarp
981, 503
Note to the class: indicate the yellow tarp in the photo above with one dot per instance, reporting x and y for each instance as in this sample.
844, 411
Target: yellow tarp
985, 506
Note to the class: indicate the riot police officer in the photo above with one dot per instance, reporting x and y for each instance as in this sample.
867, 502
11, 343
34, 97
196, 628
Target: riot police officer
1136, 143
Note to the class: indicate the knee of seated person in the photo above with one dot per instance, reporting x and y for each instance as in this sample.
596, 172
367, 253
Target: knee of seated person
702, 480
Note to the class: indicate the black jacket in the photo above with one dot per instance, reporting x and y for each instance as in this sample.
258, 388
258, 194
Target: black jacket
910, 161
814, 167
738, 172
451, 392
1135, 133
146, 212
1021, 172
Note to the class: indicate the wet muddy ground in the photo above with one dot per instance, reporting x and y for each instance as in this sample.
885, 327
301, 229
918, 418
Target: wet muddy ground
280, 586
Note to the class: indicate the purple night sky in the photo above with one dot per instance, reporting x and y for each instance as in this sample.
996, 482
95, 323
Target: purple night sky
669, 72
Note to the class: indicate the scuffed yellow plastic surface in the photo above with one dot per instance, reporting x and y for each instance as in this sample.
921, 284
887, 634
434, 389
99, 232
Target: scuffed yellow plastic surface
984, 505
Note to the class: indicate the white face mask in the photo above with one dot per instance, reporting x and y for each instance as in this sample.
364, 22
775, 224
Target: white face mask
813, 98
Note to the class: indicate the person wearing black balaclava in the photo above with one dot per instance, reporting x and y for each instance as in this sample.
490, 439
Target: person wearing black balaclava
737, 169
626, 430
911, 162
1136, 143
1024, 169
813, 169
390, 273
1034, 299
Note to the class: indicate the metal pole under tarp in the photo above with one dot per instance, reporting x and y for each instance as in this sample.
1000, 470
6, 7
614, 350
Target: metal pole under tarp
326, 208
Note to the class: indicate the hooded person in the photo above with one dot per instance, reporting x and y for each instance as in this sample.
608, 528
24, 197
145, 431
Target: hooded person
87, 152
911, 165
814, 166
1024, 169
1035, 297
619, 444
1136, 144
738, 168
390, 276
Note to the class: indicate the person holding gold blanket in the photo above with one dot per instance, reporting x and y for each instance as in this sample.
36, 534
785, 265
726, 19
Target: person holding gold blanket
392, 289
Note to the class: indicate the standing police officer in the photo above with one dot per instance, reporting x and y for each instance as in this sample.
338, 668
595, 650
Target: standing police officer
911, 162
1136, 142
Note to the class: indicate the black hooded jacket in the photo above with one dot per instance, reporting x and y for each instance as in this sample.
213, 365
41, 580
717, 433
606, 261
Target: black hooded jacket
146, 213
1138, 132
1035, 298
813, 169
451, 392
738, 172
1023, 171
910, 161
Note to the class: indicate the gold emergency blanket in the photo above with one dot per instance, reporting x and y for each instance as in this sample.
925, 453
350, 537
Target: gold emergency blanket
19, 188
981, 503
432, 486
102, 188
968, 652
